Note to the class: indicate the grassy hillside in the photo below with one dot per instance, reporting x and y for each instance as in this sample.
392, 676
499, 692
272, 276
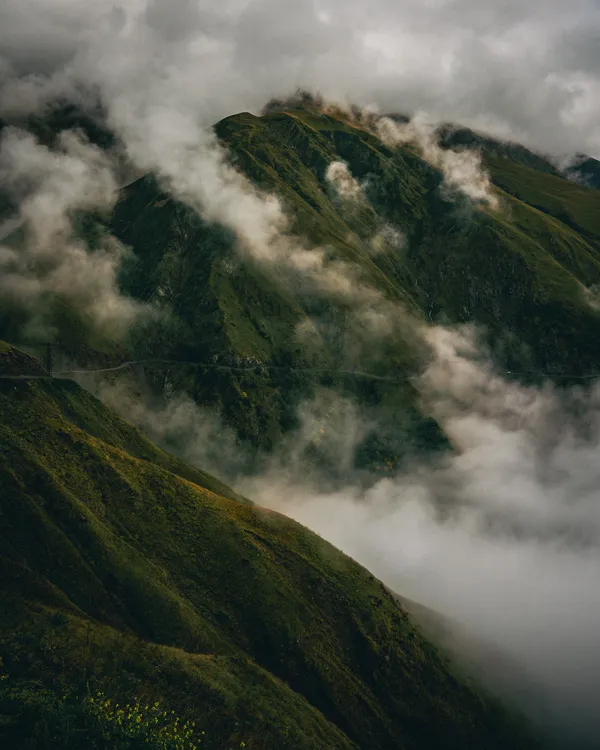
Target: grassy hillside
127, 573
528, 273
231, 311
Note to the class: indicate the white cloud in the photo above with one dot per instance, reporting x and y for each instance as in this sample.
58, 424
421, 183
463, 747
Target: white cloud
49, 258
527, 69
462, 170
340, 176
502, 536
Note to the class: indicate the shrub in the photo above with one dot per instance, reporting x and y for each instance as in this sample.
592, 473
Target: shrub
31, 716
133, 725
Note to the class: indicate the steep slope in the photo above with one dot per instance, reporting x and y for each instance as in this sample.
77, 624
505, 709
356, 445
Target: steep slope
529, 261
229, 310
123, 572
452, 136
528, 273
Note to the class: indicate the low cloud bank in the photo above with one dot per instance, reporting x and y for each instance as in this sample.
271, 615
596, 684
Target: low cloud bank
525, 70
502, 536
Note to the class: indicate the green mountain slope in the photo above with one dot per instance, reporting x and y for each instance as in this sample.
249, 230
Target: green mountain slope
451, 136
228, 310
528, 273
127, 572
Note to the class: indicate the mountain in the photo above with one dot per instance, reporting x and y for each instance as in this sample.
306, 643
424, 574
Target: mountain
585, 170
528, 274
62, 115
130, 576
451, 136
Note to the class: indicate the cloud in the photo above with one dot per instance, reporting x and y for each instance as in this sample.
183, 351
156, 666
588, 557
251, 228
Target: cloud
388, 238
526, 70
176, 423
341, 179
462, 169
43, 258
502, 535
167, 132
164, 78
148, 71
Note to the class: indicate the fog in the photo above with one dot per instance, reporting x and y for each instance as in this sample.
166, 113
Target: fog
526, 70
502, 534
44, 259
462, 170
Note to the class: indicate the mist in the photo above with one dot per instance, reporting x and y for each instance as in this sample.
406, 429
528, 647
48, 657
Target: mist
163, 79
521, 70
502, 535
176, 423
45, 262
343, 182
462, 169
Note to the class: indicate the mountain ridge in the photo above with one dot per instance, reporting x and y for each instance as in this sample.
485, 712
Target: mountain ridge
528, 275
124, 560
523, 274
130, 579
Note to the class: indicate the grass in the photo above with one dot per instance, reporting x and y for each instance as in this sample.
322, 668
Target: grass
128, 572
529, 274
574, 205
69, 721
125, 574
525, 274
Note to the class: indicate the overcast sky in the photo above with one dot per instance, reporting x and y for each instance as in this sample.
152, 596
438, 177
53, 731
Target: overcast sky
525, 68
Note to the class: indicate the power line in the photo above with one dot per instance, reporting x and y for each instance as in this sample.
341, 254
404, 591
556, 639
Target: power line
313, 370
235, 368
268, 367
263, 366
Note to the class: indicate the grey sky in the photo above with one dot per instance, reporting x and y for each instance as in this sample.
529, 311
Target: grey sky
527, 69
